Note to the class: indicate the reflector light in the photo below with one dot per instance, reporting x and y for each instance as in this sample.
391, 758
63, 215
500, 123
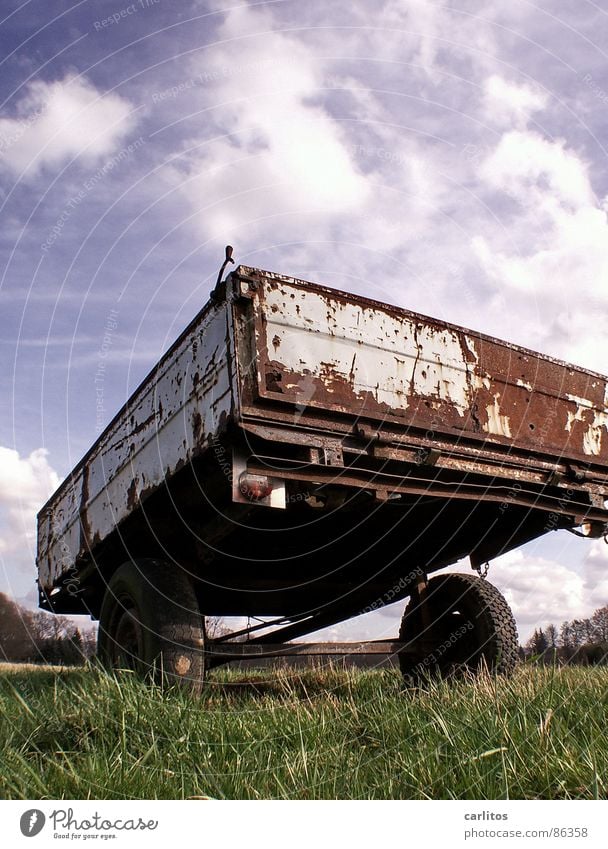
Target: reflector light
255, 487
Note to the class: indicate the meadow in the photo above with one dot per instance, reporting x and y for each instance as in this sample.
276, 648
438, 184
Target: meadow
319, 733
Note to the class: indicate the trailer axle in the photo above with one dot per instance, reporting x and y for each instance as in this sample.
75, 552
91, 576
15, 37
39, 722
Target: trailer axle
221, 653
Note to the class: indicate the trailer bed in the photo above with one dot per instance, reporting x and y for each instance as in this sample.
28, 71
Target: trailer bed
320, 389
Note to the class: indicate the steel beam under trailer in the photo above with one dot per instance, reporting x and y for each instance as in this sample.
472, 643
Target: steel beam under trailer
225, 652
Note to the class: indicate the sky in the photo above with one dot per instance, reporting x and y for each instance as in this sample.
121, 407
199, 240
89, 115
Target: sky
446, 157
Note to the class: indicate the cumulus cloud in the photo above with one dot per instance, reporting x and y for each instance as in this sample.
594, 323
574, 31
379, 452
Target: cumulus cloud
432, 36
596, 573
533, 169
25, 484
278, 152
539, 590
506, 103
306, 147
55, 121
554, 247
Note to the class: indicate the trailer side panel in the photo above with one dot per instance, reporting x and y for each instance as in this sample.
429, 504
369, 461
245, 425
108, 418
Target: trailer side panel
174, 415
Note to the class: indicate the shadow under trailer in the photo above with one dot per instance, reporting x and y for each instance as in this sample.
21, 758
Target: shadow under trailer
300, 456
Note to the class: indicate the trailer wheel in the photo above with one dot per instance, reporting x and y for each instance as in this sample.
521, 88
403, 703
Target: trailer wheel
471, 627
150, 622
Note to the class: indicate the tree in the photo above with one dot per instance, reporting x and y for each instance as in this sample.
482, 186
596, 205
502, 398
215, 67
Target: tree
599, 621
537, 644
71, 649
566, 637
215, 627
15, 638
89, 643
581, 641
552, 636
588, 631
42, 625
579, 632
36, 636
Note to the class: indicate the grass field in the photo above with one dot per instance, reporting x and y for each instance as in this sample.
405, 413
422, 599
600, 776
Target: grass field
304, 734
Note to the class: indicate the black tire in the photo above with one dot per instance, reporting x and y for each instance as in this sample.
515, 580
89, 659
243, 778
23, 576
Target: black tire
150, 622
471, 627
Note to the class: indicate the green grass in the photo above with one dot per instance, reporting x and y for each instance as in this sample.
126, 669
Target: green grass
303, 734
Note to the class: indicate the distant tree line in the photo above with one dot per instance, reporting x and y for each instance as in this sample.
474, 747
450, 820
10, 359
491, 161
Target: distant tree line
583, 641
28, 636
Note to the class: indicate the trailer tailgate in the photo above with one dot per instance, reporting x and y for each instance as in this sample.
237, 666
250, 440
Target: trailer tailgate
321, 349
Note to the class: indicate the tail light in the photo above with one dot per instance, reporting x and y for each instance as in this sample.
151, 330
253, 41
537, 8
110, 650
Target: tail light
254, 487
594, 530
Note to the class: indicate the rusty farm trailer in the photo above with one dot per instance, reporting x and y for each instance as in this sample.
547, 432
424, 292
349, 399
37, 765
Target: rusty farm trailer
307, 455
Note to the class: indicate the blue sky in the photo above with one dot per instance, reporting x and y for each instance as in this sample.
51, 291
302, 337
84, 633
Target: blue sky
449, 158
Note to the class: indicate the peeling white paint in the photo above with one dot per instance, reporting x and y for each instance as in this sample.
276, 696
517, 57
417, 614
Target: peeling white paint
592, 437
403, 356
498, 424
582, 402
592, 440
479, 381
470, 343
525, 385
574, 417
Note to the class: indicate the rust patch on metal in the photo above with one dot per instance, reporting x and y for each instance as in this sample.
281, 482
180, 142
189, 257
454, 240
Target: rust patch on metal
197, 426
273, 379
132, 494
332, 389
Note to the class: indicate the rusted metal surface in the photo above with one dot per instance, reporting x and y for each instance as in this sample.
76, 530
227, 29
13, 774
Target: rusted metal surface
445, 454
387, 484
326, 350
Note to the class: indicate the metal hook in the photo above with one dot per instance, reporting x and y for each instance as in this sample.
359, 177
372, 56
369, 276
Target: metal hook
229, 250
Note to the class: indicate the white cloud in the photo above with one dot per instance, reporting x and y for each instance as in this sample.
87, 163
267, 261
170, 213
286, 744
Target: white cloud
506, 103
539, 590
553, 252
432, 37
568, 258
25, 480
425, 20
25, 484
531, 168
596, 573
58, 120
281, 153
